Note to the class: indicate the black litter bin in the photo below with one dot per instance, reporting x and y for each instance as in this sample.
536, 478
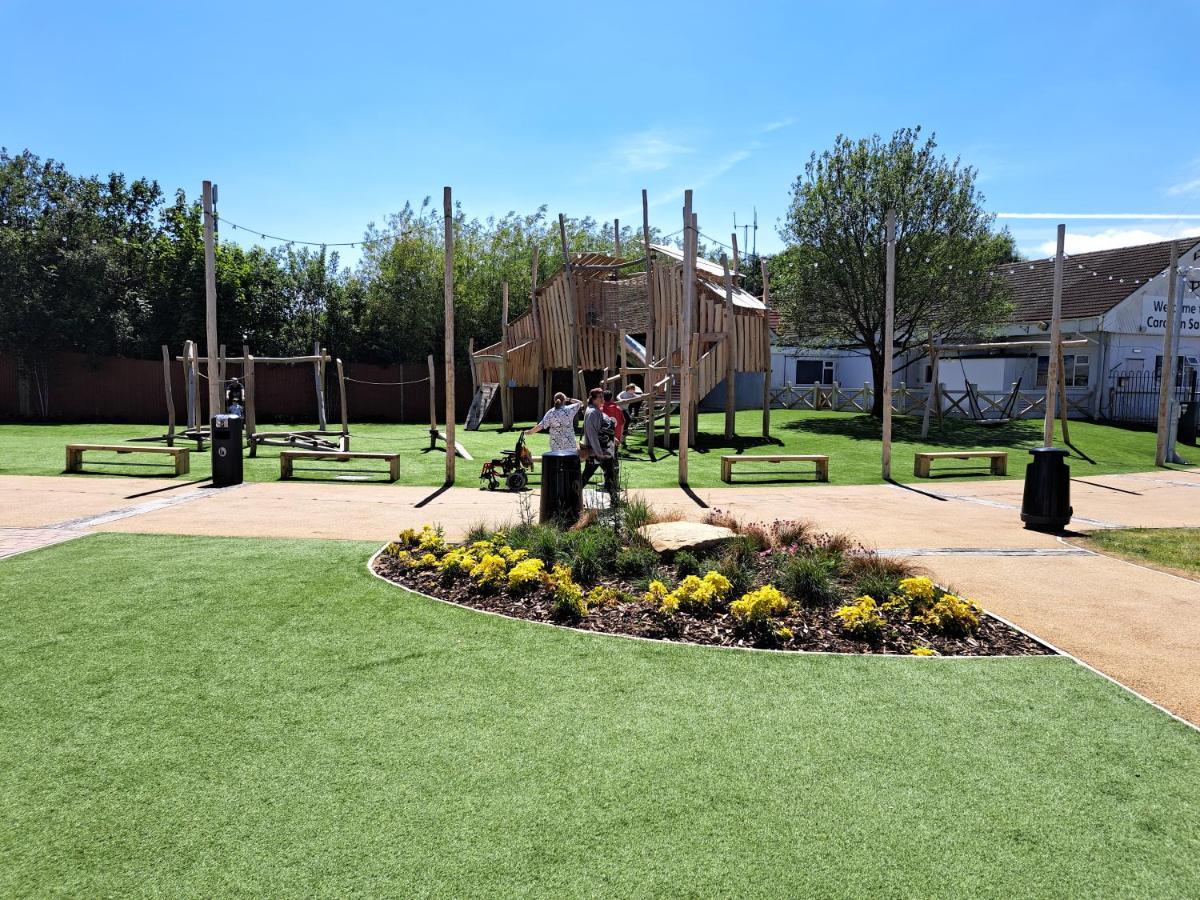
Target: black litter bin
1185, 433
226, 450
562, 488
1047, 502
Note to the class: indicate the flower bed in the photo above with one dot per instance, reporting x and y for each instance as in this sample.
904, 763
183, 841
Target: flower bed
782, 586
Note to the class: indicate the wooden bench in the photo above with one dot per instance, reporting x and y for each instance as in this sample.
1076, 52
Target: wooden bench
287, 457
822, 463
75, 454
998, 459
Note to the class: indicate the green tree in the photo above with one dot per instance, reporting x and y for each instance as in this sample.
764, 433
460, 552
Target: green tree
829, 282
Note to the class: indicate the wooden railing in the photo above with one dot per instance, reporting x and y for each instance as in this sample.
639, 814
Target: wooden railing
906, 400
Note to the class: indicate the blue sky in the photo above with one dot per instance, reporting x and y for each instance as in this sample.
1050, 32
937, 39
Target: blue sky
317, 119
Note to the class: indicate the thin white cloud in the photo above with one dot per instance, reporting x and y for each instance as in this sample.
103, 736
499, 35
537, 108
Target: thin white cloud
648, 151
778, 124
1184, 188
1110, 238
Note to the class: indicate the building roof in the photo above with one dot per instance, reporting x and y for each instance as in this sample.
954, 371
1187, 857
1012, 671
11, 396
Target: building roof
715, 275
1118, 273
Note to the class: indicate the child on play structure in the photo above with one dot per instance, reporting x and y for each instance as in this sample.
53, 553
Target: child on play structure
235, 398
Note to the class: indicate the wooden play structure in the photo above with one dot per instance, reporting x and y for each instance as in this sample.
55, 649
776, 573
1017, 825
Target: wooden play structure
674, 322
196, 370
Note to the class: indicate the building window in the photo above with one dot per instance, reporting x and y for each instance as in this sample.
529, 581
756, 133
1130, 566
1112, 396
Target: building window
1076, 369
814, 371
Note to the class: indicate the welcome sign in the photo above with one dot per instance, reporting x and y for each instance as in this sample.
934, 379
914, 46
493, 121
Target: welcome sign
1154, 315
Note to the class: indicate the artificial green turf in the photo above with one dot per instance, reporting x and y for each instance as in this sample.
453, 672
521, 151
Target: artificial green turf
211, 716
851, 441
1175, 548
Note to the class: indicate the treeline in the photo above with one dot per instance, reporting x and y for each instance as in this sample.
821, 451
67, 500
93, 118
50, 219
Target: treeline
111, 266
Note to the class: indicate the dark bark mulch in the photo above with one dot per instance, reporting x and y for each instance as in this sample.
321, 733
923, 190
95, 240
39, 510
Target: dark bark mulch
813, 628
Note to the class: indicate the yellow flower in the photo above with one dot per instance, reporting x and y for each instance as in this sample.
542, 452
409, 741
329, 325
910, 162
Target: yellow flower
861, 618
525, 574
923, 651
489, 570
760, 605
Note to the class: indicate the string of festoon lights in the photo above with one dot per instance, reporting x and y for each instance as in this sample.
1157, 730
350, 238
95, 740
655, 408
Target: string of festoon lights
1011, 269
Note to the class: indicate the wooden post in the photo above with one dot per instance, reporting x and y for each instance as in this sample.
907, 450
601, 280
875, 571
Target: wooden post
471, 358
766, 407
448, 293
933, 382
1055, 342
537, 331
248, 376
345, 412
889, 316
650, 325
189, 386
1064, 407
166, 355
1164, 451
210, 299
685, 347
432, 400
506, 404
319, 378
617, 238
572, 308
221, 376
730, 330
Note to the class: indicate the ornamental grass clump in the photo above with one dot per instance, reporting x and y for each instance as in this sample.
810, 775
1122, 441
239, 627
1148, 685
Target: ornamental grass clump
810, 578
637, 559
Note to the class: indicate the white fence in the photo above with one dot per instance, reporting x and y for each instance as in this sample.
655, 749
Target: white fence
993, 404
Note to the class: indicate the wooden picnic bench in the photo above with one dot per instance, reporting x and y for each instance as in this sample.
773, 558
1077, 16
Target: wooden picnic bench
287, 457
75, 454
998, 459
822, 463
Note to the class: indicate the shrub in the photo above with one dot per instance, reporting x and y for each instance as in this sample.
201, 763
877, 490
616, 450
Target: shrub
545, 543
430, 538
636, 559
920, 593
456, 562
526, 575
760, 606
951, 615
491, 570
809, 577
862, 618
601, 596
566, 597
740, 574
923, 651
686, 564
723, 519
694, 594
754, 536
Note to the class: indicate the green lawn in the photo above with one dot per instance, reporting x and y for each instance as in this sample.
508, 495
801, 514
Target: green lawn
208, 717
1174, 548
851, 441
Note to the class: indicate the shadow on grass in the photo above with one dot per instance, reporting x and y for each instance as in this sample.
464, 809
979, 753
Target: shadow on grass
907, 429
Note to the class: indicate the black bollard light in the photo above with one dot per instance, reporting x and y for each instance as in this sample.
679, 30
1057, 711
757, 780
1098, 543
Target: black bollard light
1047, 502
562, 488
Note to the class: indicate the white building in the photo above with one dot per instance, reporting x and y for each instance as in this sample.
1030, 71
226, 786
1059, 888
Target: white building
1114, 299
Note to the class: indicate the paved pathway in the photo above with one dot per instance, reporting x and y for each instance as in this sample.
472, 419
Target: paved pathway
1138, 626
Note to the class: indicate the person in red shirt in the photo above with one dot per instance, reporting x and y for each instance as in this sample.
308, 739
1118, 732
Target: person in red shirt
611, 408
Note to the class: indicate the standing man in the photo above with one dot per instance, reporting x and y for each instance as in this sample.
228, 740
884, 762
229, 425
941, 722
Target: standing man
599, 437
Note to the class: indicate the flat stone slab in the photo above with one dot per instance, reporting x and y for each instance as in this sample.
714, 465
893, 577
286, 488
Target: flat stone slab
671, 537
